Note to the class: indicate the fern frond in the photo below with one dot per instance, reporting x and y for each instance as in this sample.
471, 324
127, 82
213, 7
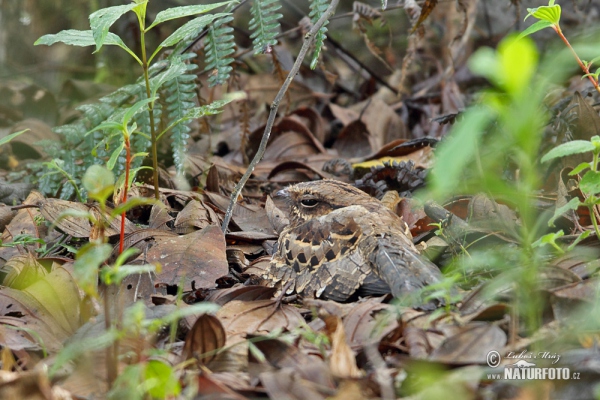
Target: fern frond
219, 45
179, 95
264, 24
317, 8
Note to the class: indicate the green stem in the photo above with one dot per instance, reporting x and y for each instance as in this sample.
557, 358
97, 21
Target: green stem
594, 221
154, 140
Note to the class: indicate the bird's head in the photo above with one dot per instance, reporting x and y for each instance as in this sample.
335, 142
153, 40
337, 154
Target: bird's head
310, 200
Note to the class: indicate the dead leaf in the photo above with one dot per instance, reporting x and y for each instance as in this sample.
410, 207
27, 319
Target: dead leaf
205, 338
342, 360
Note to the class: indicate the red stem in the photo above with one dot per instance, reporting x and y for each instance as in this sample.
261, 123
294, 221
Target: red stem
581, 64
124, 198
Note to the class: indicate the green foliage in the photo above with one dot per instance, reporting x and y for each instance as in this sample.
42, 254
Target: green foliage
264, 24
501, 132
317, 8
219, 47
179, 95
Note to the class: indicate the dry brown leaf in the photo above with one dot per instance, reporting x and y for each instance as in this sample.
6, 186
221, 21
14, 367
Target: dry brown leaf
471, 344
197, 258
205, 338
195, 215
342, 360
241, 293
52, 307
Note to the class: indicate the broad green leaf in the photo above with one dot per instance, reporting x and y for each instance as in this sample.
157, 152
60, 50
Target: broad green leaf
87, 262
550, 13
190, 29
549, 238
590, 183
102, 20
10, 137
98, 180
131, 203
134, 109
518, 59
74, 37
176, 68
580, 167
581, 237
108, 125
112, 161
161, 379
458, 150
484, 62
569, 148
185, 11
538, 26
573, 204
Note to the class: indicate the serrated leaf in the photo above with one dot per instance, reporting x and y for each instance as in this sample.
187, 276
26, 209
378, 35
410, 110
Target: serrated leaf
569, 148
580, 168
185, 11
573, 204
102, 20
590, 183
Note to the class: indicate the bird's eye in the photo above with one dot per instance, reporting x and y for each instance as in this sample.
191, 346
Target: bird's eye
309, 203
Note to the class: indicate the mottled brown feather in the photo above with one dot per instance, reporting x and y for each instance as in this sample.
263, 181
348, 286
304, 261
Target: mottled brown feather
340, 241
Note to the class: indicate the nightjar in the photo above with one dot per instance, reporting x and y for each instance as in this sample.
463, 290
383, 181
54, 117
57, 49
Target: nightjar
341, 242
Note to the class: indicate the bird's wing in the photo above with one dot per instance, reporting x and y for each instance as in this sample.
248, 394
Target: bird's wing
401, 267
323, 256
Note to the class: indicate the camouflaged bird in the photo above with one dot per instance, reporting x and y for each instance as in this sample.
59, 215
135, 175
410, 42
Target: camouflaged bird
340, 242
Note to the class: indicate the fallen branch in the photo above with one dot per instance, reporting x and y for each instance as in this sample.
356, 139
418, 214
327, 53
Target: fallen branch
308, 41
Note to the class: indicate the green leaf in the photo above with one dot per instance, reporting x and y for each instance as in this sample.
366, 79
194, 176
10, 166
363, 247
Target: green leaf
74, 37
102, 20
590, 183
87, 262
114, 276
136, 108
573, 204
538, 26
161, 379
580, 167
10, 137
191, 28
458, 150
98, 180
550, 13
569, 148
581, 237
176, 68
185, 11
108, 125
112, 161
131, 203
518, 62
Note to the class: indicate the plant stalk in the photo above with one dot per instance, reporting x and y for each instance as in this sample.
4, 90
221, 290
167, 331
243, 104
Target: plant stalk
585, 68
309, 39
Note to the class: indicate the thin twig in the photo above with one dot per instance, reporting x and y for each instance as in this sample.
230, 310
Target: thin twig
308, 41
